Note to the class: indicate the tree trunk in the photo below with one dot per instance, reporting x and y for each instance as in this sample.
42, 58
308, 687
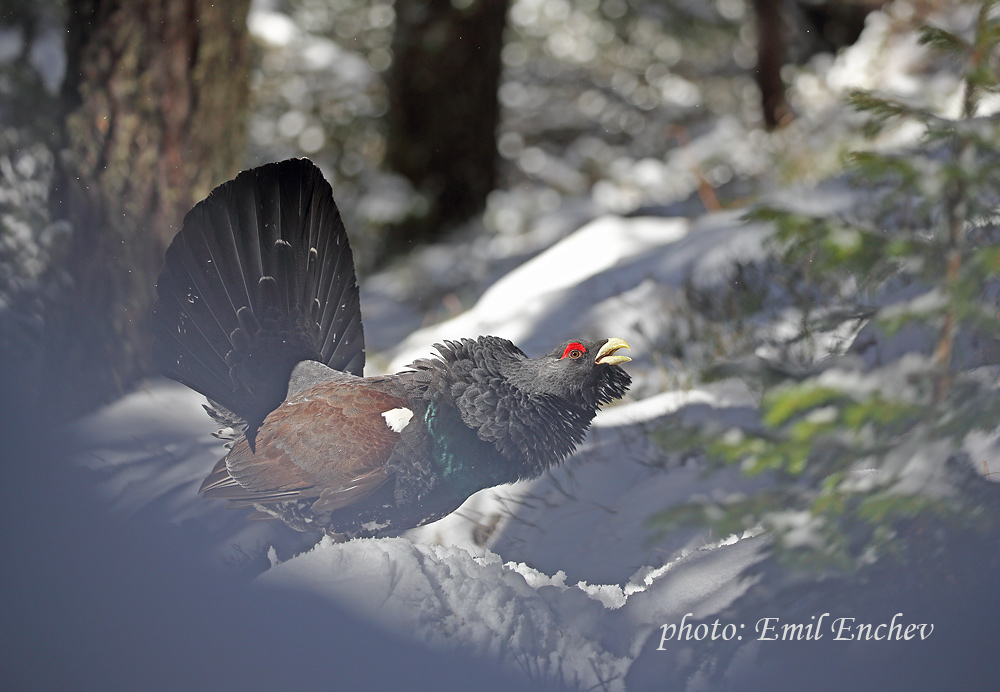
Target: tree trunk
770, 59
155, 99
444, 110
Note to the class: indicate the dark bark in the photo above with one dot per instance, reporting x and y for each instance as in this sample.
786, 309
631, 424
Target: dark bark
795, 31
770, 58
443, 109
155, 98
826, 27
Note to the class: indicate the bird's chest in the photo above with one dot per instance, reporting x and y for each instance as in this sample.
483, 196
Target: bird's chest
462, 462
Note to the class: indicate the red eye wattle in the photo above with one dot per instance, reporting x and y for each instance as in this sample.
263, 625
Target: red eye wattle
574, 351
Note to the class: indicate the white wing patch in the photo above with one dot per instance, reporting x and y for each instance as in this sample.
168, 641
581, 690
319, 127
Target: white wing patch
397, 418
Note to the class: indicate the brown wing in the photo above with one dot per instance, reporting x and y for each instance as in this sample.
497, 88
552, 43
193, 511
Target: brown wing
329, 442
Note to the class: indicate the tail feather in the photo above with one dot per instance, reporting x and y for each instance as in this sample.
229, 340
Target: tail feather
260, 277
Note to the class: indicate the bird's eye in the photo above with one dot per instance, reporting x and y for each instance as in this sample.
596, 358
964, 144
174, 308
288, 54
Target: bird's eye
573, 351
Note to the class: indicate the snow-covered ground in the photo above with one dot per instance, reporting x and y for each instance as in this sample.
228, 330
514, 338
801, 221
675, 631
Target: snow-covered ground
560, 580
560, 577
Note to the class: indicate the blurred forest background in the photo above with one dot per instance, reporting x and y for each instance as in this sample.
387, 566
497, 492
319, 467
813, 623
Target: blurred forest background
516, 122
462, 137
428, 115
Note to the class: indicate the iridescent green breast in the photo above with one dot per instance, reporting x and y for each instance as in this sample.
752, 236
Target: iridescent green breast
465, 463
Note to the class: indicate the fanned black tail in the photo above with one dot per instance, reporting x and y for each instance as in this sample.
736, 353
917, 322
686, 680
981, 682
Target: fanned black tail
260, 277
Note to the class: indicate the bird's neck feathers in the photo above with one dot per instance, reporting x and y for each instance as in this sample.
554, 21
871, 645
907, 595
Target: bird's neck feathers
494, 387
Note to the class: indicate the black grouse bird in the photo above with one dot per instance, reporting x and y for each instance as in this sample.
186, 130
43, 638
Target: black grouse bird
258, 310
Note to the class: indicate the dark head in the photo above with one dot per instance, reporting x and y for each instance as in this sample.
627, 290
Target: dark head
583, 372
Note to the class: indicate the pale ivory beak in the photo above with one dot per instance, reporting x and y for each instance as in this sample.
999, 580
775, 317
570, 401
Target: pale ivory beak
606, 356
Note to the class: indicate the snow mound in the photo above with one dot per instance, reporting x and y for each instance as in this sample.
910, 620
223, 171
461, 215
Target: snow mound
582, 636
580, 285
